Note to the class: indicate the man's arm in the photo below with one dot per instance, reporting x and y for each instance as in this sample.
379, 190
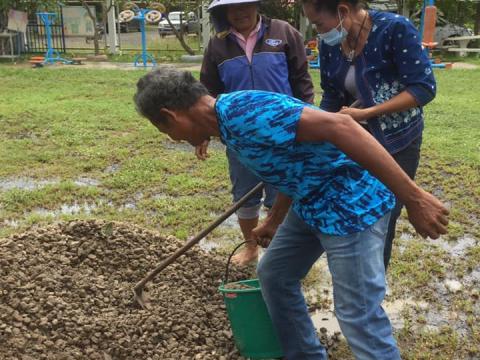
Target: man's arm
426, 213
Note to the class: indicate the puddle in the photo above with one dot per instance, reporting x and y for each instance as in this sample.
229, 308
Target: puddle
11, 223
456, 248
320, 293
86, 181
66, 209
24, 184
394, 310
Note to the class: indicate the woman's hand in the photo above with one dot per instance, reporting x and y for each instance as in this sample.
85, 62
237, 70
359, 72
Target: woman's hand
358, 115
201, 150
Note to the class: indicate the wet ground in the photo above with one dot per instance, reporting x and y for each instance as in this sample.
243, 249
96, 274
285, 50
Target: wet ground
318, 291
449, 300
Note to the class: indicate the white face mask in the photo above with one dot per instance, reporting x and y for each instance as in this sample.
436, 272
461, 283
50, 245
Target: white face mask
334, 36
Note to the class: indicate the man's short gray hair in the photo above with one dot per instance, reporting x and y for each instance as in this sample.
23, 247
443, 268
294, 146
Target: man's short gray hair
167, 88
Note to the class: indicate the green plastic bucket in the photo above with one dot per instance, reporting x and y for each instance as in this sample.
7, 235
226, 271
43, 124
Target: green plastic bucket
250, 321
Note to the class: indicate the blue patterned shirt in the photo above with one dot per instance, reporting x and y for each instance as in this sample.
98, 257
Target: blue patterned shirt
392, 61
330, 192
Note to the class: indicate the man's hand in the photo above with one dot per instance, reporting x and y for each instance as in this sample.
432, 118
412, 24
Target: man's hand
357, 114
264, 233
201, 150
427, 215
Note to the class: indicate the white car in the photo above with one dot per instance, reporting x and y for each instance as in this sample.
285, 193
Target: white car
188, 22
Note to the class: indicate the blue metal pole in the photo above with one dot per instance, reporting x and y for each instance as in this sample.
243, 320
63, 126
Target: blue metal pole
144, 38
49, 38
144, 55
422, 19
45, 17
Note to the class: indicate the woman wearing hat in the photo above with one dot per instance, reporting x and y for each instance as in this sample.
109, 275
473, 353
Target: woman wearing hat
252, 52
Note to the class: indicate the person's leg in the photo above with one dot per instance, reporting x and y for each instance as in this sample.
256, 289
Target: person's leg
270, 195
287, 260
242, 182
408, 160
358, 275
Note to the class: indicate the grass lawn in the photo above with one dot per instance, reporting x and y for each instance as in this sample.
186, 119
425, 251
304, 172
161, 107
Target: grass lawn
72, 146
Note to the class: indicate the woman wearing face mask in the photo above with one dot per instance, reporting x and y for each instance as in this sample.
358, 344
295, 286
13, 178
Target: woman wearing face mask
252, 52
375, 59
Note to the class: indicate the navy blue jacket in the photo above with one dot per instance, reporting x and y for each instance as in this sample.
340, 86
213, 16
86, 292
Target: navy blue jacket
279, 63
392, 61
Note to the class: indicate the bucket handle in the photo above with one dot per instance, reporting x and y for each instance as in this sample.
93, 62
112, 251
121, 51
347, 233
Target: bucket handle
227, 268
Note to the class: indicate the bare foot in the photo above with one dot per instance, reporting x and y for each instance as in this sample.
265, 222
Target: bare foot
246, 256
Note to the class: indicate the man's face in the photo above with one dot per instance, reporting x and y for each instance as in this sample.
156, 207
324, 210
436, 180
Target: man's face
180, 128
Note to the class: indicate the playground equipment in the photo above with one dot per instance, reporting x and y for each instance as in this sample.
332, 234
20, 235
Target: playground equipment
427, 31
313, 54
52, 55
152, 15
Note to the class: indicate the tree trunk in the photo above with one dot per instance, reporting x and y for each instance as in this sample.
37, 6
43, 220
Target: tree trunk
96, 39
477, 20
180, 38
95, 30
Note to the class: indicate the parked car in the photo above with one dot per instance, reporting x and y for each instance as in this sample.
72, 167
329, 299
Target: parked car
189, 23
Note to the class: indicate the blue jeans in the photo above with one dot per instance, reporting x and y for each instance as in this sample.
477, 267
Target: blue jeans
356, 265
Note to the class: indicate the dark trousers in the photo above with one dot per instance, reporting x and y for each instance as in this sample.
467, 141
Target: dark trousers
408, 160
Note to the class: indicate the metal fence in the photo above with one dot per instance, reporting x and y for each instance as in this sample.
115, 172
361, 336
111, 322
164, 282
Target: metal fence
36, 41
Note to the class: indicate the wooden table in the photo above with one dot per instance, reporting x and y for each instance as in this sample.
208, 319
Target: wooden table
463, 41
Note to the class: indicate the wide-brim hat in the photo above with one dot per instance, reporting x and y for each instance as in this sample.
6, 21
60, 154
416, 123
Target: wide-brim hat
217, 13
216, 3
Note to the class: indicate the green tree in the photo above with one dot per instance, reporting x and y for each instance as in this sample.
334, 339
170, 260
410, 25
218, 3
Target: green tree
106, 6
29, 6
283, 10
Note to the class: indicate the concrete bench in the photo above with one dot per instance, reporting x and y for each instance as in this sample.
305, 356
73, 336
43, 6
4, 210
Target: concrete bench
463, 41
464, 51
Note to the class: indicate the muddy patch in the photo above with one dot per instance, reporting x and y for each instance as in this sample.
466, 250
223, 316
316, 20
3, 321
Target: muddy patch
25, 183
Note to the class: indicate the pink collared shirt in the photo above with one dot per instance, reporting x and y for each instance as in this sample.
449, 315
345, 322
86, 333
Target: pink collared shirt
248, 44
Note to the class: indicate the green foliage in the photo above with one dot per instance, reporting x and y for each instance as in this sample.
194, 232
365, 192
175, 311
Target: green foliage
282, 9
